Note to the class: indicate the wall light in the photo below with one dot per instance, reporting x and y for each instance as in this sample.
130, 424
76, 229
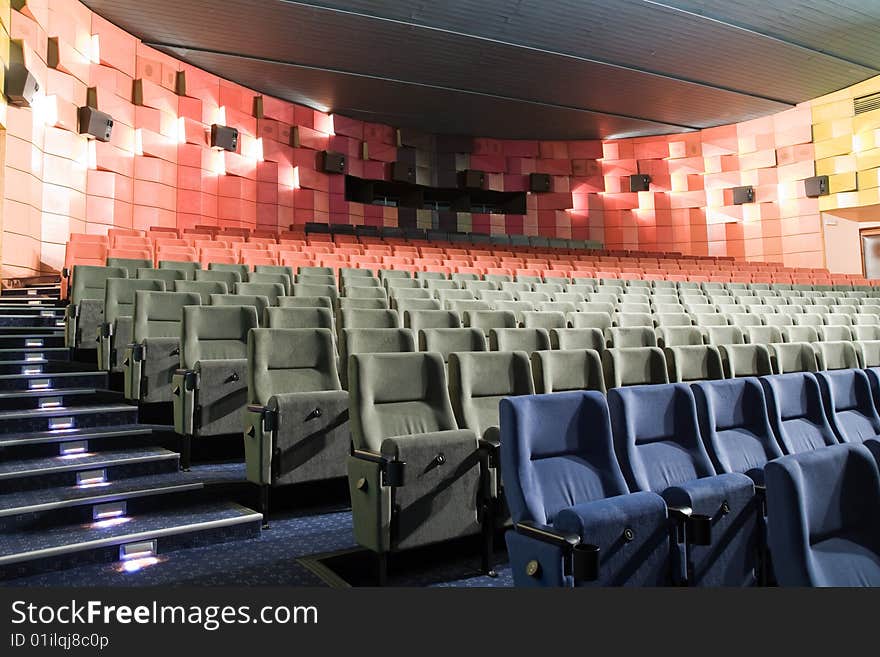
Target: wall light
138, 141
95, 51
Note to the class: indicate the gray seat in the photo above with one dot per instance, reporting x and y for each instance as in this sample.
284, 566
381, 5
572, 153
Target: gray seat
634, 366
399, 425
271, 291
305, 290
777, 320
601, 321
532, 297
258, 303
131, 265
569, 339
762, 334
746, 360
85, 312
494, 295
116, 331
348, 303
869, 352
688, 363
399, 295
203, 288
627, 320
275, 269
834, 333
167, 274
543, 319
297, 318
266, 278
799, 334
219, 276
359, 318
315, 271
419, 319
405, 305
363, 292
678, 336
186, 266
372, 341
488, 319
241, 270
303, 301
210, 389
596, 307
673, 319
461, 306
808, 319
519, 339
713, 319
794, 357
840, 355
636, 336
719, 335
516, 307
296, 426
866, 332
154, 353
566, 370
446, 341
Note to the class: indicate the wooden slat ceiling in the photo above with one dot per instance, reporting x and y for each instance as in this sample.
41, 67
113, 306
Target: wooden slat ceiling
523, 68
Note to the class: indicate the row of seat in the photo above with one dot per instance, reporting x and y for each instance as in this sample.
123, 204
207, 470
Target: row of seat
677, 483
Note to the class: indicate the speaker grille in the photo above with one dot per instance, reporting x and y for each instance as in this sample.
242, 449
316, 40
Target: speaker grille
867, 103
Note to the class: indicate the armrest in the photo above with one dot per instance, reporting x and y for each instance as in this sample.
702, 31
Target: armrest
105, 330
190, 380
547, 534
582, 559
137, 352
392, 469
697, 526
490, 443
268, 417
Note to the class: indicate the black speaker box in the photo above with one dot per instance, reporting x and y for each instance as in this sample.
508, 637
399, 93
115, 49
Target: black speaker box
95, 123
639, 183
224, 137
471, 179
331, 162
540, 182
816, 186
743, 195
403, 172
21, 85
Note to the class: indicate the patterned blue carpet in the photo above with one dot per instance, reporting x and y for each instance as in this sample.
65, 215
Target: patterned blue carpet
270, 560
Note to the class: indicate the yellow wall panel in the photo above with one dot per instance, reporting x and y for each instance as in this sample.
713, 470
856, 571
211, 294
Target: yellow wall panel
837, 146
830, 111
843, 182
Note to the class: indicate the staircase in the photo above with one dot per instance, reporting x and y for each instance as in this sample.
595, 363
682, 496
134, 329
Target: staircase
81, 480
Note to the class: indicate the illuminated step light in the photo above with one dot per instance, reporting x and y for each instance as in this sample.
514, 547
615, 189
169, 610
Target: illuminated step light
47, 313
89, 478
34, 342
34, 356
109, 510
57, 423
32, 369
40, 384
51, 402
74, 448
32, 293
137, 550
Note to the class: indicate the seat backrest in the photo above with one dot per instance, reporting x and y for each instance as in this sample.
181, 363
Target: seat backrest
634, 366
577, 338
281, 279
275, 269
796, 412
849, 404
307, 290
836, 355
168, 275
119, 296
282, 360
626, 320
375, 341
778, 320
297, 318
271, 291
347, 303
183, 265
601, 321
565, 370
763, 334
215, 333
634, 336
719, 335
89, 281
657, 436
693, 363
519, 339
678, 336
543, 319
449, 340
557, 452
159, 314
478, 381
305, 302
734, 425
746, 360
419, 319
129, 264
361, 318
230, 278
799, 334
258, 303
795, 357
673, 319
203, 288
397, 394
489, 319
241, 270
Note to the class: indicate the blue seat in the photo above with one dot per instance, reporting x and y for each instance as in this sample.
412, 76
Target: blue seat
874, 379
824, 517
569, 501
734, 426
796, 412
849, 405
659, 448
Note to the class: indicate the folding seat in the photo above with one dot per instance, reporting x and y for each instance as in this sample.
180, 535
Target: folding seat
280, 279
563, 307
255, 301
533, 297
305, 290
84, 314
296, 426
823, 517
210, 389
365, 293
393, 284
744, 319
549, 288
627, 320
516, 307
793, 357
726, 309
631, 366
443, 498
579, 287
836, 355
762, 334
633, 308
498, 275
404, 294
600, 297
866, 320
546, 320
596, 307
169, 276
466, 277
488, 319
203, 288
385, 274
477, 286
360, 318
666, 299
719, 335
799, 334
678, 336
115, 332
189, 268
573, 298
446, 341
673, 319
297, 318
808, 319
432, 276
843, 309
366, 304
834, 333
837, 319
315, 280
445, 296
305, 302
461, 306
514, 287
631, 297
241, 270
866, 332
152, 356
566, 370
659, 448
714, 319
316, 271
568, 339
745, 360
419, 319
777, 320
272, 291
663, 308
229, 278
635, 336
492, 296
519, 339
404, 305
130, 264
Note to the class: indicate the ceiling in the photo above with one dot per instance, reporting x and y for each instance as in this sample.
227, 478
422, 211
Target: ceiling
550, 69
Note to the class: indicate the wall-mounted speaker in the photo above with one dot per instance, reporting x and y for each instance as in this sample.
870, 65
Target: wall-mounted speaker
21, 85
471, 179
816, 186
403, 172
224, 137
540, 182
743, 195
331, 162
639, 183
95, 123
